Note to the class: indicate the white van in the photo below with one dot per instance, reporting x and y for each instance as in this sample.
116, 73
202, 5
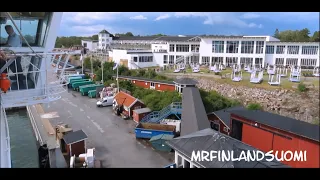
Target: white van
106, 101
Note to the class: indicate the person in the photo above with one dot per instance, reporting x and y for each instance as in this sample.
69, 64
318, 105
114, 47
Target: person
14, 40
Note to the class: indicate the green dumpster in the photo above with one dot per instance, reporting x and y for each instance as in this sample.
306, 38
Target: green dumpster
76, 85
84, 90
159, 142
77, 80
92, 93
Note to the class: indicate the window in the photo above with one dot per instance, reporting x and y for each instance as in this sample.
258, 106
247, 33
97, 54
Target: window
171, 59
205, 59
135, 59
247, 47
292, 61
258, 61
232, 46
218, 46
217, 60
33, 25
84, 44
165, 59
308, 62
171, 48
102, 40
259, 47
246, 61
182, 47
279, 61
195, 47
280, 49
310, 50
145, 58
293, 50
178, 56
231, 61
103, 44
270, 50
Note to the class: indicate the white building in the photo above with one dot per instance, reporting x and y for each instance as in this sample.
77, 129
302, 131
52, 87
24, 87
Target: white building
255, 50
90, 44
105, 39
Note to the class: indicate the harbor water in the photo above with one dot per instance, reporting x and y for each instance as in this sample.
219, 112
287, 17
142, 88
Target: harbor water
24, 148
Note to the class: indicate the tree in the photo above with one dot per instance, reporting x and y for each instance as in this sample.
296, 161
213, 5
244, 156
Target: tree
95, 37
277, 34
315, 37
129, 34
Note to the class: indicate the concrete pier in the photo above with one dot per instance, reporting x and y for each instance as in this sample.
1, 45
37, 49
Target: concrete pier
45, 134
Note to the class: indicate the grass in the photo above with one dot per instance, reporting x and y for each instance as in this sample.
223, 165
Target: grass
285, 83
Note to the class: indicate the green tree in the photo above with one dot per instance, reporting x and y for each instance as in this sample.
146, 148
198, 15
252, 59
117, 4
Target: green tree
315, 37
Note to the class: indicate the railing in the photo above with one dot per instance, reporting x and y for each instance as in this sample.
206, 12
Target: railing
182, 58
5, 155
157, 116
35, 84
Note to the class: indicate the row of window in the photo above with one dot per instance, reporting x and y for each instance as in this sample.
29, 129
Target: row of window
230, 60
247, 47
294, 61
170, 60
143, 59
280, 49
184, 47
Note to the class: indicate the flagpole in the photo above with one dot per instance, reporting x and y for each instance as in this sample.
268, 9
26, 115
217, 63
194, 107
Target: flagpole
118, 78
82, 63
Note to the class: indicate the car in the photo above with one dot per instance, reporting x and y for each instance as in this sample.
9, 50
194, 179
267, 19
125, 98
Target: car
106, 101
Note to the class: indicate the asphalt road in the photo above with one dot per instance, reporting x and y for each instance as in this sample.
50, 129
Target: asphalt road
113, 137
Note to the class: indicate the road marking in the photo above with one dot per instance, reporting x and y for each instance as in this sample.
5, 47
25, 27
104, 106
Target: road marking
97, 126
86, 105
72, 104
81, 110
70, 113
88, 117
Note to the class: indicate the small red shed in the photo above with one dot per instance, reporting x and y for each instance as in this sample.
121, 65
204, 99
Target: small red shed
220, 120
74, 143
138, 114
267, 131
129, 103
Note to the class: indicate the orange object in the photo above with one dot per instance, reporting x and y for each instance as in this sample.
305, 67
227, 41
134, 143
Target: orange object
4, 82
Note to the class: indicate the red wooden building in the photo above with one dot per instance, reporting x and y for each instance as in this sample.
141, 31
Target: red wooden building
138, 114
267, 131
220, 120
129, 103
73, 143
158, 85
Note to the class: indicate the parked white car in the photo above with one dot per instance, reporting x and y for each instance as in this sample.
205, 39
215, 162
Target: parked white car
106, 101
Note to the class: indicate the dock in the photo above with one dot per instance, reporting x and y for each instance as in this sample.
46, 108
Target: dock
46, 135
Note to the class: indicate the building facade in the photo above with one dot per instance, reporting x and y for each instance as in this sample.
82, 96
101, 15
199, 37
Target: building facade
141, 52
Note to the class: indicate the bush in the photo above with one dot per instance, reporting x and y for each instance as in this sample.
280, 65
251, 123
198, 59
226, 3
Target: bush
302, 87
254, 106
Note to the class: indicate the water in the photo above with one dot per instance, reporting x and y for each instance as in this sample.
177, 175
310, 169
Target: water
24, 149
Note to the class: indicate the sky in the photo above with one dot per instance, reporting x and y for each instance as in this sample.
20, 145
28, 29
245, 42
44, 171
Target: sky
186, 23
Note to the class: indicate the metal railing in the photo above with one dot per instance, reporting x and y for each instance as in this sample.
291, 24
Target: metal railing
37, 83
5, 155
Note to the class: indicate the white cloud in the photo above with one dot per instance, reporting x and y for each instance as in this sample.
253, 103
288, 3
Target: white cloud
220, 18
161, 17
139, 17
88, 17
250, 16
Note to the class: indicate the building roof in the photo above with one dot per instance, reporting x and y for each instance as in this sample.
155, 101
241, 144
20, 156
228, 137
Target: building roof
75, 136
147, 80
125, 99
225, 115
186, 81
210, 140
142, 110
154, 38
307, 130
193, 116
104, 32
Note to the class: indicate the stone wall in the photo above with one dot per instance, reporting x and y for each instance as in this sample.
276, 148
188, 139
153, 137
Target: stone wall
290, 103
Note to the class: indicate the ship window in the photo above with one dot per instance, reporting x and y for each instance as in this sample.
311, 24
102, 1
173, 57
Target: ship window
33, 26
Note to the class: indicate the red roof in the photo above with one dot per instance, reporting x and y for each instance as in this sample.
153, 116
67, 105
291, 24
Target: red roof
125, 99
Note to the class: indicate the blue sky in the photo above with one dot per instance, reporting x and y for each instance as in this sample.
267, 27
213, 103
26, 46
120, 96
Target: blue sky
186, 23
